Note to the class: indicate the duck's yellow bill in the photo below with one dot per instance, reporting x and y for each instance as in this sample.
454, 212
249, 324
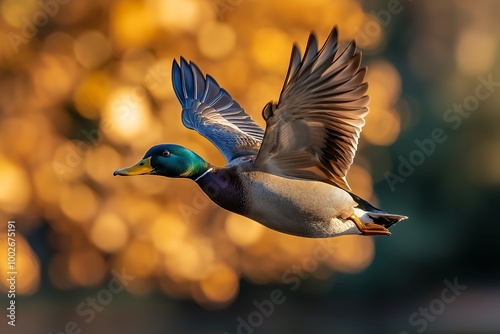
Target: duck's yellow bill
143, 167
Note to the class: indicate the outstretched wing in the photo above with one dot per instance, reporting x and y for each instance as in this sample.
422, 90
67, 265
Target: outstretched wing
313, 130
212, 112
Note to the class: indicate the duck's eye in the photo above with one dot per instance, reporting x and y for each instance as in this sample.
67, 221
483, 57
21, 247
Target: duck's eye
166, 153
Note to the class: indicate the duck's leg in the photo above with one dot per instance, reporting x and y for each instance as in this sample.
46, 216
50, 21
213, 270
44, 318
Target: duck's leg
369, 228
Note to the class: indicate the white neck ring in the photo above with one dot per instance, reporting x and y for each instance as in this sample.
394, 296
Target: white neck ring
204, 173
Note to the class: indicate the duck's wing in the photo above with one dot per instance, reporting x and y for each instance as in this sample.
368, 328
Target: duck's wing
212, 112
313, 130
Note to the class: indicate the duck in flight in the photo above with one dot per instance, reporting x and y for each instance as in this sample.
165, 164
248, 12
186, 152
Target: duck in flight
292, 176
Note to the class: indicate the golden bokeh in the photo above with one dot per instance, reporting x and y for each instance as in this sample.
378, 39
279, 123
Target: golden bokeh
270, 47
98, 160
383, 128
360, 181
216, 40
78, 202
15, 190
86, 267
13, 11
220, 285
184, 15
139, 257
46, 184
126, 114
383, 122
27, 266
168, 227
243, 231
91, 94
109, 233
476, 50
92, 49
131, 23
355, 255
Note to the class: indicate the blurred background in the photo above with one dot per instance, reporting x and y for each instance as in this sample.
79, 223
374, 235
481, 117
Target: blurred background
85, 89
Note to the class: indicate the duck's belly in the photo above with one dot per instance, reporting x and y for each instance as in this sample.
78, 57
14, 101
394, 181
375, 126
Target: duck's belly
299, 207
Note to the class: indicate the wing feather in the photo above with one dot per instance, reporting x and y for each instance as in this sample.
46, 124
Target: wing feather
313, 130
212, 112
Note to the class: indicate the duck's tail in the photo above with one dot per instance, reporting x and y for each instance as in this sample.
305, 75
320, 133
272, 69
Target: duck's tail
385, 219
378, 216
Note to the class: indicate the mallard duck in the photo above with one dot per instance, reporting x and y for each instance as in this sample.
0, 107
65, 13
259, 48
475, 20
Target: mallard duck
292, 176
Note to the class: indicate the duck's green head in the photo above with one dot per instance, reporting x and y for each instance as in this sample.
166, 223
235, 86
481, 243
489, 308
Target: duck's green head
167, 160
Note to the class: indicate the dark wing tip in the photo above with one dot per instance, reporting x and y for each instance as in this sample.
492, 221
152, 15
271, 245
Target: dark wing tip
294, 65
175, 63
354, 44
177, 80
312, 40
332, 40
311, 51
335, 32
